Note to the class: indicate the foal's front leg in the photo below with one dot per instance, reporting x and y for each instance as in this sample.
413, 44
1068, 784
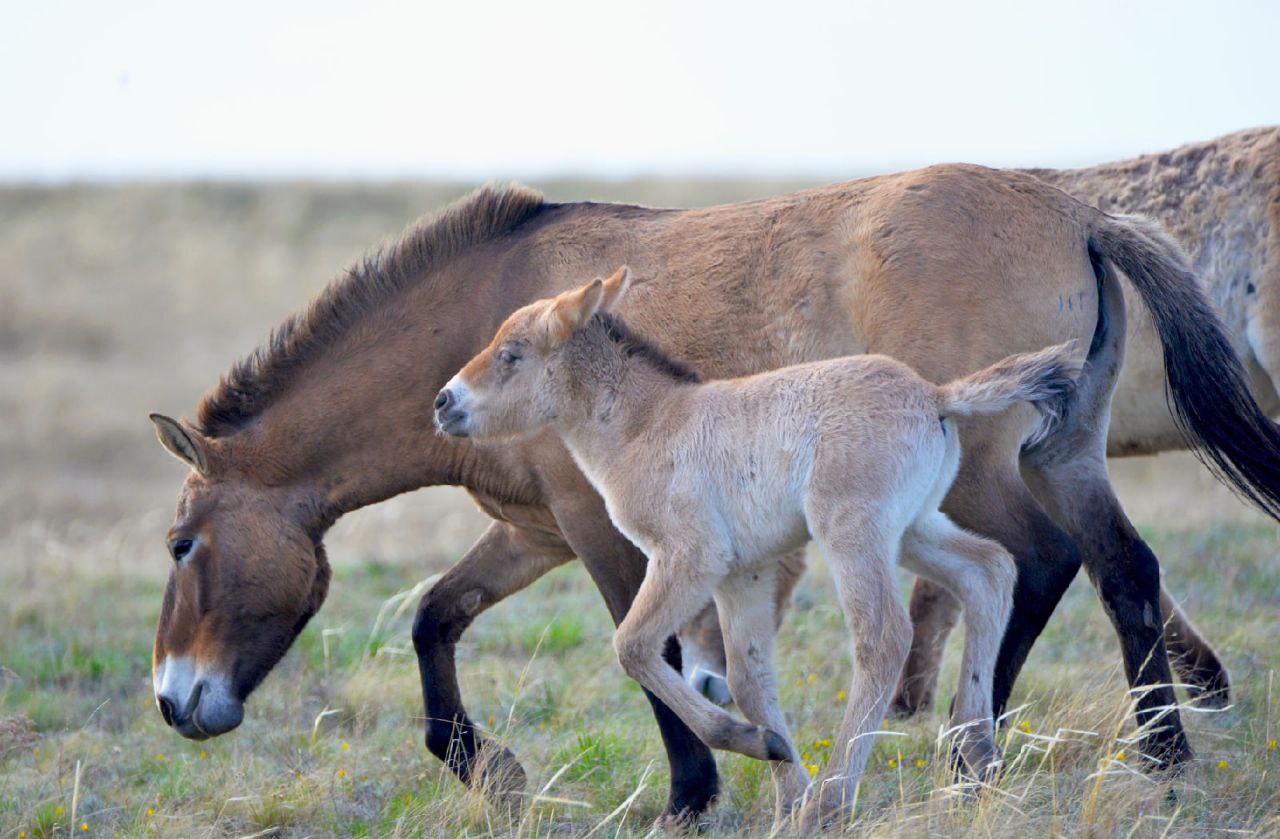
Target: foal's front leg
675, 588
747, 605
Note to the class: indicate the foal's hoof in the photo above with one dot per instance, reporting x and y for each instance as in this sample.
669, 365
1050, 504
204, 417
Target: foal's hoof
711, 685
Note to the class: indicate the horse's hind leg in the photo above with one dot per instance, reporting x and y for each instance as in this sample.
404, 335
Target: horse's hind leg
934, 612
1205, 676
747, 609
981, 575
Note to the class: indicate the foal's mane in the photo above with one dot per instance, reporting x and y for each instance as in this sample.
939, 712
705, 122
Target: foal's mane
635, 345
254, 382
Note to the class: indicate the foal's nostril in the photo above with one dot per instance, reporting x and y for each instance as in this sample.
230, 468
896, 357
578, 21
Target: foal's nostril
166, 709
443, 398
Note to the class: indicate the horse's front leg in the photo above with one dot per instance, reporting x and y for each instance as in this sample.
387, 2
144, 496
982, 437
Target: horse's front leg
503, 561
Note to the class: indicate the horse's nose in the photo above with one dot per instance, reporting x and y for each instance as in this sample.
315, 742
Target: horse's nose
167, 709
444, 399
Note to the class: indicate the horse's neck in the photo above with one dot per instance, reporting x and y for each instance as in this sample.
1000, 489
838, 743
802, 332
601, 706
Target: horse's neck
358, 425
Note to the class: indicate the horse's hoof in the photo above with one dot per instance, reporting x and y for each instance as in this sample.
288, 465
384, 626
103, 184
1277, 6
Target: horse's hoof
502, 778
904, 705
681, 823
1210, 690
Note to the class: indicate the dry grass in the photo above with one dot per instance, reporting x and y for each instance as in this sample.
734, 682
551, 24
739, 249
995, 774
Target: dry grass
118, 301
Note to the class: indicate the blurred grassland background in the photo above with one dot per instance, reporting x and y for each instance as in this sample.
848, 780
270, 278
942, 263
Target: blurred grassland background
119, 300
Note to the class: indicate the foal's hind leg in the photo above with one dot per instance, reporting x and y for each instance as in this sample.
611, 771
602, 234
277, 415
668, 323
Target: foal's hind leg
748, 617
861, 556
981, 575
675, 588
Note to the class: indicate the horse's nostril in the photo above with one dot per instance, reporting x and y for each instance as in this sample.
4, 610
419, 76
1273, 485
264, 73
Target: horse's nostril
443, 398
166, 709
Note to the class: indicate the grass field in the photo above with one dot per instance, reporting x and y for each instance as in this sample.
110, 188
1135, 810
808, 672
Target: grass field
116, 301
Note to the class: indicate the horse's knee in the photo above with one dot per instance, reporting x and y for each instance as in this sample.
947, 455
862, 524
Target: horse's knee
442, 618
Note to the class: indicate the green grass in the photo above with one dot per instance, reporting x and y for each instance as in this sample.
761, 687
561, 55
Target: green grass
332, 741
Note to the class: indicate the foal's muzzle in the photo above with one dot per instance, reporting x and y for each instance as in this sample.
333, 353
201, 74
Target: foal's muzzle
451, 418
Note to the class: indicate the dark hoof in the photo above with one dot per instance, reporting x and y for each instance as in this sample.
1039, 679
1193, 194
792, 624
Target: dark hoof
1209, 689
501, 777
776, 746
908, 703
1166, 755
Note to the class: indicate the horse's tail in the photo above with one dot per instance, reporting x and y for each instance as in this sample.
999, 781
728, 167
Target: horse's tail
1206, 386
1045, 379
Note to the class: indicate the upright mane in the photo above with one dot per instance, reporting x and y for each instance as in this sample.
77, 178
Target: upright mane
634, 345
254, 382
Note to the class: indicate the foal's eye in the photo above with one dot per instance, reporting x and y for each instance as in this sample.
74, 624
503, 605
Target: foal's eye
180, 548
508, 357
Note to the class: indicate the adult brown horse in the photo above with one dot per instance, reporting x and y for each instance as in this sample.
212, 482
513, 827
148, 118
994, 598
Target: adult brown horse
1221, 199
947, 269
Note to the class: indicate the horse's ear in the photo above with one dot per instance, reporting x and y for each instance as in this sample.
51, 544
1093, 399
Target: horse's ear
615, 287
574, 308
186, 444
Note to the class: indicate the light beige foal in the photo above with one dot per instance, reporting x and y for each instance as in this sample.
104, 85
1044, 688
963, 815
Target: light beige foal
714, 481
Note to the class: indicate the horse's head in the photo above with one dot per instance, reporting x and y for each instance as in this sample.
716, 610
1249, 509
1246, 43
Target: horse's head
505, 389
248, 571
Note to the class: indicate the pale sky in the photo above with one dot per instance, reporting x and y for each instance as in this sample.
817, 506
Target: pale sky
465, 90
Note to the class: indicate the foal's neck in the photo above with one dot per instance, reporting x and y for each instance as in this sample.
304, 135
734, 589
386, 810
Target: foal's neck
615, 387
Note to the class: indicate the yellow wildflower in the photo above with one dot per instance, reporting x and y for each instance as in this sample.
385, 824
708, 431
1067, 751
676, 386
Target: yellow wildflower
151, 811
84, 826
342, 773
841, 696
805, 757
920, 762
1025, 727
893, 764
60, 810
1120, 755
1271, 744
813, 678
1222, 764
347, 746
813, 770
204, 755
160, 757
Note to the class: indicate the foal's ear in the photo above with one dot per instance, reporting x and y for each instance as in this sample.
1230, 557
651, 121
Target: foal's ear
185, 444
574, 308
615, 287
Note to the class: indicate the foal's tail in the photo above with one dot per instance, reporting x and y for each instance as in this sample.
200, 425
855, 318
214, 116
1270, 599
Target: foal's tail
1207, 388
1045, 379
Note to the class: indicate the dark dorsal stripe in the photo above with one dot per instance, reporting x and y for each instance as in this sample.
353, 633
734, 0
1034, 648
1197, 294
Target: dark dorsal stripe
635, 345
254, 382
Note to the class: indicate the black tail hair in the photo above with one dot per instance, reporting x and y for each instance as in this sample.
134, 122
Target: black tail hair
1207, 388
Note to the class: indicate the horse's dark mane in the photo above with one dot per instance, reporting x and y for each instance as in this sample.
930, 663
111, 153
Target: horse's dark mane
254, 382
635, 345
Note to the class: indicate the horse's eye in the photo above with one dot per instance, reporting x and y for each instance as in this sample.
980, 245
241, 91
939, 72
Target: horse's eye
508, 357
180, 548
